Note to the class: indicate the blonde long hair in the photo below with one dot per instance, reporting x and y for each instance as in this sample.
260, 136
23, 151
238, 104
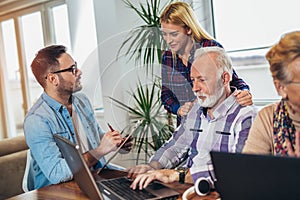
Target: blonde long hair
181, 14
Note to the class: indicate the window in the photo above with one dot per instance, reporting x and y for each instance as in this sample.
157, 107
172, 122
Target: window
247, 29
251, 24
23, 33
32, 31
12, 80
11, 53
61, 25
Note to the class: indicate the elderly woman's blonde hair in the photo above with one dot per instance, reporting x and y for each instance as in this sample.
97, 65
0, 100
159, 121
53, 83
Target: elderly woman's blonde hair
282, 54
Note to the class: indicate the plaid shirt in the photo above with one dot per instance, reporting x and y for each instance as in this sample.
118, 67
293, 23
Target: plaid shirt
176, 82
198, 134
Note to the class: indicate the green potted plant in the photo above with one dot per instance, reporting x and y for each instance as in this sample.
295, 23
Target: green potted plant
153, 130
144, 43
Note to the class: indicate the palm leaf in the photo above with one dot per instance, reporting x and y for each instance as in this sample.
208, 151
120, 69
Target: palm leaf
144, 42
154, 129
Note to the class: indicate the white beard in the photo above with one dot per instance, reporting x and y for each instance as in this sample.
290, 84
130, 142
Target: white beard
210, 100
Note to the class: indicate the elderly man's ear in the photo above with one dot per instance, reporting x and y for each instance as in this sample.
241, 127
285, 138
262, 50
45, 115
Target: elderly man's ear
280, 88
225, 78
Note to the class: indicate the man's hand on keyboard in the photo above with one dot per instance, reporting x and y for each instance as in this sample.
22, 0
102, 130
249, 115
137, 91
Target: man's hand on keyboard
138, 169
163, 175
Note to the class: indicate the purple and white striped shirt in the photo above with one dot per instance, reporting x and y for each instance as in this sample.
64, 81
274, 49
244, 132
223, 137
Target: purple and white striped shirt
198, 134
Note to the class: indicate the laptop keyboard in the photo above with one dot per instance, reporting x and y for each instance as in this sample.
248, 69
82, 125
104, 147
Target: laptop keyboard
121, 187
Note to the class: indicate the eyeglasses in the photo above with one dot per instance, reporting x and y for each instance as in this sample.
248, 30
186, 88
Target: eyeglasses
72, 69
294, 82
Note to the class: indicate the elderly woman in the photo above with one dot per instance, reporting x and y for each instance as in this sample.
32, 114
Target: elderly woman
276, 129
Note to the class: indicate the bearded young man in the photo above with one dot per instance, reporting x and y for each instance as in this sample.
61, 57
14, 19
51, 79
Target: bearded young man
217, 122
62, 109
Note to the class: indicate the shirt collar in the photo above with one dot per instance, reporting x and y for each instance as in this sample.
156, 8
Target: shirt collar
224, 107
52, 102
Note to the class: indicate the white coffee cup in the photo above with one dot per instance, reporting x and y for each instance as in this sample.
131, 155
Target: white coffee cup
203, 186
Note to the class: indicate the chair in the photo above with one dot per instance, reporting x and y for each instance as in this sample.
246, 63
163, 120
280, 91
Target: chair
13, 153
27, 183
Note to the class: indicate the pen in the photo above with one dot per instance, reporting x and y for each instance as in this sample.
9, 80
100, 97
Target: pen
121, 145
110, 127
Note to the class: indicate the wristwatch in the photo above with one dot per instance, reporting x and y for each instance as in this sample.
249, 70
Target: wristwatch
181, 172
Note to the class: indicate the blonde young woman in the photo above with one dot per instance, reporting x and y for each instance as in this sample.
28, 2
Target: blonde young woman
183, 35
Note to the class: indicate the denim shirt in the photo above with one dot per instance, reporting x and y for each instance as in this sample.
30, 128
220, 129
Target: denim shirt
48, 117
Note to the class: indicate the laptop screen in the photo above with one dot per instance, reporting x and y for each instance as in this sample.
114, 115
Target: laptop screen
78, 167
87, 184
246, 176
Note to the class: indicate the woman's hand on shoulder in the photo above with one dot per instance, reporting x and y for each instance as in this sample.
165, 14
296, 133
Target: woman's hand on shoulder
243, 97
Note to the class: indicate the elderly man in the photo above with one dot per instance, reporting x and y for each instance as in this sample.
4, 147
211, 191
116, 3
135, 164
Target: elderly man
215, 123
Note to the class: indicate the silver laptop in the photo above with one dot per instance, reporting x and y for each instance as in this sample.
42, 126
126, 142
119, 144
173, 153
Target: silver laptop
105, 189
245, 176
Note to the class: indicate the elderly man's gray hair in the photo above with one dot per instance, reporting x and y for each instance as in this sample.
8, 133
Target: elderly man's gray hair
222, 61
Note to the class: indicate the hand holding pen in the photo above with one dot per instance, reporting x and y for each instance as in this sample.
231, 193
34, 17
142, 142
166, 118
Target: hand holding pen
127, 146
110, 127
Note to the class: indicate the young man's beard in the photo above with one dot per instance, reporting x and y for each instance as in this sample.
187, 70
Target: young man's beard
77, 87
67, 89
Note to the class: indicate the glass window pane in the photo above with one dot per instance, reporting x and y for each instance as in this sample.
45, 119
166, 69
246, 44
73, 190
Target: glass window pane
13, 93
61, 25
254, 23
247, 29
11, 52
32, 37
33, 40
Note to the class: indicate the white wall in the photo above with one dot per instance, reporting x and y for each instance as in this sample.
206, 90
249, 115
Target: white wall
110, 27
84, 45
117, 76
